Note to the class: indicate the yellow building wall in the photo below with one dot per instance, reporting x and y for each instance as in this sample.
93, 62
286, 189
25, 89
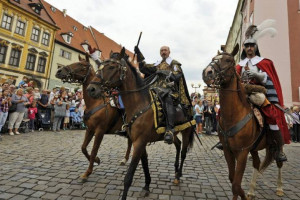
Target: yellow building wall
25, 41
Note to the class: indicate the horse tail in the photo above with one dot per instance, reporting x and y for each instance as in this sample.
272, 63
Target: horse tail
270, 155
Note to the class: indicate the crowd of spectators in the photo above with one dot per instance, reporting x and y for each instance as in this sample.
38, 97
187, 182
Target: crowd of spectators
24, 103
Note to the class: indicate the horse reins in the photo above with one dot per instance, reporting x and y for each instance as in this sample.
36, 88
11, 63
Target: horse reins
72, 73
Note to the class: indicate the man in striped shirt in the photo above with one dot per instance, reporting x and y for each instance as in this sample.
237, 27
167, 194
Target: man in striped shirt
261, 71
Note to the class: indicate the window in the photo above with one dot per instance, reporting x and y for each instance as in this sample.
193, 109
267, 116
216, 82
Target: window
45, 39
14, 57
30, 62
41, 65
75, 28
18, 1
53, 9
20, 28
3, 50
6, 22
35, 34
65, 54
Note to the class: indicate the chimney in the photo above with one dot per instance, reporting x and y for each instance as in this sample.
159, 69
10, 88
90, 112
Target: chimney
65, 12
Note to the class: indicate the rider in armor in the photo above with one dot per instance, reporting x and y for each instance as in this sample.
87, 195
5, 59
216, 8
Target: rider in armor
170, 85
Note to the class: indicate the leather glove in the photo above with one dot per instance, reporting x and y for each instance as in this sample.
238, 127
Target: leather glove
139, 54
256, 75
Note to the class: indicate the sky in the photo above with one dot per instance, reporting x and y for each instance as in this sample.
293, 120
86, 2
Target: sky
193, 29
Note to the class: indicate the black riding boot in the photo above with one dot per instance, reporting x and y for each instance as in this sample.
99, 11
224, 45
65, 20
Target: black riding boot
170, 118
281, 157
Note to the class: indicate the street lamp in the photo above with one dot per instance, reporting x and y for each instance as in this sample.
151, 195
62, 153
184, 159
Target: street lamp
195, 86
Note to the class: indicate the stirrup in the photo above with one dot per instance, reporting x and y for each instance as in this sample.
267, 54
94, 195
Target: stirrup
168, 138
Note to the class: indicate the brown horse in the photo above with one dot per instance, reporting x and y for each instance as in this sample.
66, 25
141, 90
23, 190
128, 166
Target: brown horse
100, 117
239, 131
120, 73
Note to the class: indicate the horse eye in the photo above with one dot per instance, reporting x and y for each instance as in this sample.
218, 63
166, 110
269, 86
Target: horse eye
228, 60
111, 67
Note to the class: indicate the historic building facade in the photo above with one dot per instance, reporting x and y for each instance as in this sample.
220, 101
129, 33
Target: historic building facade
26, 41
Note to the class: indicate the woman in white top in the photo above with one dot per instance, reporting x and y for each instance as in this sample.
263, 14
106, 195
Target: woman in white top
199, 115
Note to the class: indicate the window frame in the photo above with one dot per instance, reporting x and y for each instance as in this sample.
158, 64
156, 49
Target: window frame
3, 54
65, 54
5, 22
13, 58
39, 66
19, 28
30, 65
33, 35
43, 39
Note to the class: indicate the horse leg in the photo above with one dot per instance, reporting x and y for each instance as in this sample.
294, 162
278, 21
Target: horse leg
238, 176
256, 164
145, 165
177, 144
125, 159
87, 139
98, 139
139, 148
279, 190
230, 160
185, 144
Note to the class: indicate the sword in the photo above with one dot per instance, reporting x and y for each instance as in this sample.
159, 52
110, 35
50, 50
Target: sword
283, 110
138, 43
197, 136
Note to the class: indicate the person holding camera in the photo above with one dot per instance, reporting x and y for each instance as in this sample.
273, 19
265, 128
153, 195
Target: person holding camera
16, 116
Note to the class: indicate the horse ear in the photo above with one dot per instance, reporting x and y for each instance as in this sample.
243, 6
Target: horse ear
79, 58
235, 50
122, 53
110, 54
87, 57
219, 52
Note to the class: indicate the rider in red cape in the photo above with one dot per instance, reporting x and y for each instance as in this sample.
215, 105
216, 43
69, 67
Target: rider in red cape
277, 116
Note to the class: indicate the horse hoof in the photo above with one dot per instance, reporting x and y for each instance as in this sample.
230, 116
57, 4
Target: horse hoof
176, 181
97, 160
251, 196
145, 193
123, 162
279, 193
82, 179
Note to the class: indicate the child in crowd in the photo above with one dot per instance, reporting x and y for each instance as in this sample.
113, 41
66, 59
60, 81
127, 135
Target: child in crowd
76, 116
67, 117
32, 111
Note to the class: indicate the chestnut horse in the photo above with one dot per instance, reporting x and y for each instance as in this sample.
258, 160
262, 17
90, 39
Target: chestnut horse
102, 118
239, 131
140, 117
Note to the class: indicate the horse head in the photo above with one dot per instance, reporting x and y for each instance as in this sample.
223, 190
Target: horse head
75, 72
110, 74
221, 69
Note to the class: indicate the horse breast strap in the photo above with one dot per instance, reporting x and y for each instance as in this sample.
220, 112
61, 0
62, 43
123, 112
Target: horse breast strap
237, 127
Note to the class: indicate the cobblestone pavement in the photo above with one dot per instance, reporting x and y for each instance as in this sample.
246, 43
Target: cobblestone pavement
46, 165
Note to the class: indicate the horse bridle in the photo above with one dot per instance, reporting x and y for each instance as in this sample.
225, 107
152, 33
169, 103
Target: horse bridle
221, 74
71, 73
120, 64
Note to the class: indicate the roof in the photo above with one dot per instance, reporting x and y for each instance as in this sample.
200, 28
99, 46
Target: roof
82, 34
27, 6
68, 25
106, 45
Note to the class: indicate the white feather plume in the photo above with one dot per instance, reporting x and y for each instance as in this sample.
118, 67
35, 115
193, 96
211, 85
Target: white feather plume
267, 24
267, 31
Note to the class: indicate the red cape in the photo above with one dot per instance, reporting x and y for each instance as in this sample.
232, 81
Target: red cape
267, 66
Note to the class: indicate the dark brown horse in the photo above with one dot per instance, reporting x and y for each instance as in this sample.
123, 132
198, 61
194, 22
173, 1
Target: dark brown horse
239, 131
100, 117
120, 73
